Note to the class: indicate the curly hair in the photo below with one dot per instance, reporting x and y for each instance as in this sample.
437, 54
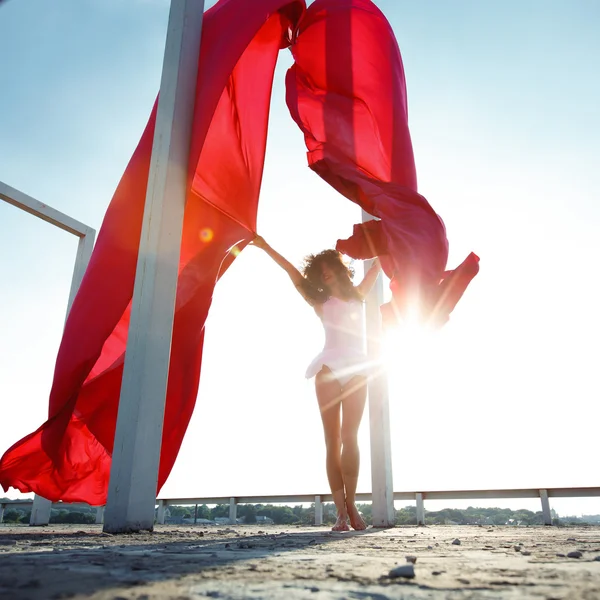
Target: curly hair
312, 270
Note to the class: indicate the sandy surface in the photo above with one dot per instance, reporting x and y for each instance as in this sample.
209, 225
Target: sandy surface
254, 562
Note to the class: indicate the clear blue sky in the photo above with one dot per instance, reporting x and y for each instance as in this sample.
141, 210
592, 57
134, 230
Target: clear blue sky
503, 104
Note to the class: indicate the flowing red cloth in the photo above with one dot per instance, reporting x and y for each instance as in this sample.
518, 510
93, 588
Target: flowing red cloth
347, 92
68, 458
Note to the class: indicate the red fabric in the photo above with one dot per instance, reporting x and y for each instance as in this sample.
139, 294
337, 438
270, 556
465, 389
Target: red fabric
347, 92
68, 457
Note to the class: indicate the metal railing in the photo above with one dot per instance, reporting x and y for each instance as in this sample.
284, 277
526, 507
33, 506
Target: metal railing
544, 496
419, 498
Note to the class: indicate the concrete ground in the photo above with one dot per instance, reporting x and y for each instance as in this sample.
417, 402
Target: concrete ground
251, 562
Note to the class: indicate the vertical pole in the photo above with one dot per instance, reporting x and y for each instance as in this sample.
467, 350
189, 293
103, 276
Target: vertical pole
40, 511
420, 509
82, 259
2, 507
379, 412
42, 508
547, 514
195, 514
318, 511
99, 515
136, 454
162, 512
232, 511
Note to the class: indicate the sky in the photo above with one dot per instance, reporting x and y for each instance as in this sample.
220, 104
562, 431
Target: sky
503, 111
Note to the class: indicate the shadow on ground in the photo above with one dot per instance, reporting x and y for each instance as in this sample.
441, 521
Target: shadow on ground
46, 564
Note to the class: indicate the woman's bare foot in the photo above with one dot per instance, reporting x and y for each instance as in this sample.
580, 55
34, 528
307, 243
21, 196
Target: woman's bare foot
341, 524
356, 520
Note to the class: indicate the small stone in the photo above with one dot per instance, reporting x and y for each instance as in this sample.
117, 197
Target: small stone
597, 558
575, 554
517, 548
411, 559
463, 581
560, 555
429, 547
201, 534
314, 589
406, 571
456, 542
526, 553
436, 572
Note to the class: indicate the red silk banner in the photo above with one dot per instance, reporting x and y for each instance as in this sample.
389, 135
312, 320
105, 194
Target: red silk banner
68, 458
347, 92
348, 95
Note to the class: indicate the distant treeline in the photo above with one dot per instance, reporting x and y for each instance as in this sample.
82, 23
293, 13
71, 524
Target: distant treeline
290, 515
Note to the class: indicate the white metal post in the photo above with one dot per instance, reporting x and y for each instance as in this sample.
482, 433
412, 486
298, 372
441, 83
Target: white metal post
232, 511
42, 507
379, 412
420, 509
162, 512
41, 511
99, 515
318, 511
136, 454
546, 512
2, 512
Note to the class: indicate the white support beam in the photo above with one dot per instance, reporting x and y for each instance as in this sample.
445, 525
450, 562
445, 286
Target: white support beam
2, 512
42, 211
41, 509
162, 512
136, 454
420, 509
99, 515
40, 512
232, 511
318, 511
546, 512
379, 412
82, 260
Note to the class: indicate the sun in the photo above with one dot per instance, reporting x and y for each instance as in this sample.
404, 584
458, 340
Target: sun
410, 354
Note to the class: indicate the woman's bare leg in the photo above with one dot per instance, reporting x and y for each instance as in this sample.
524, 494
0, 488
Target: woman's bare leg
329, 397
354, 396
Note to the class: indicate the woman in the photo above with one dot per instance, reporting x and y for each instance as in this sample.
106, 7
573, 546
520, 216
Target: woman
340, 370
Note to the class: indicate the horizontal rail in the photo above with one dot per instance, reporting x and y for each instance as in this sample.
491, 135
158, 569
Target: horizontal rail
43, 211
581, 492
319, 499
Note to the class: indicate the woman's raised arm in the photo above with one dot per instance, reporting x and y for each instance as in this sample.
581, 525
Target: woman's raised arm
364, 287
295, 275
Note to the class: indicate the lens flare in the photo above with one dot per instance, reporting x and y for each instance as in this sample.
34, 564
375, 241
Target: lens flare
206, 235
235, 250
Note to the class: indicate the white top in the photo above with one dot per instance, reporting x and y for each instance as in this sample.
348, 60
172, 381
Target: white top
344, 352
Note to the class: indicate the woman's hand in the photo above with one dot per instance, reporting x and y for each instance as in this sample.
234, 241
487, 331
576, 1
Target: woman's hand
259, 242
